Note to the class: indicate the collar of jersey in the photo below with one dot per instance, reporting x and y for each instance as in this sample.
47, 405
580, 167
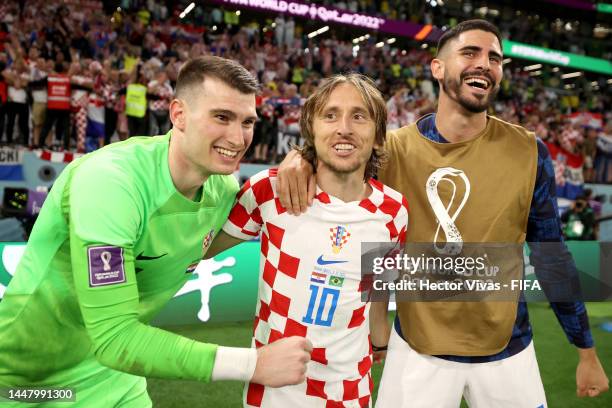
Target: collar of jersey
326, 198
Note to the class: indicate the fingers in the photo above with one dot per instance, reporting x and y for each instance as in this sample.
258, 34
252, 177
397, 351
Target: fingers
588, 392
593, 392
296, 185
312, 188
300, 378
282, 189
307, 345
294, 201
283, 362
303, 193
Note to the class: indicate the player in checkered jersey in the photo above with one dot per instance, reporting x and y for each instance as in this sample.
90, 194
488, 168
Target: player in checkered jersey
310, 266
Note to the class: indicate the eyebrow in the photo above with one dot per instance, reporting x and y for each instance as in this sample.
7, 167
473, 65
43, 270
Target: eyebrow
478, 49
353, 109
231, 114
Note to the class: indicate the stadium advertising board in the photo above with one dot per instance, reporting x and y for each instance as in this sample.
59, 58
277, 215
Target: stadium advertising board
332, 15
554, 57
225, 288
11, 164
604, 8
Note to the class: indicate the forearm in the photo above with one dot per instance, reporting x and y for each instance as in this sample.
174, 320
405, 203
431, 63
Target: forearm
379, 325
378, 312
574, 321
152, 352
221, 242
143, 350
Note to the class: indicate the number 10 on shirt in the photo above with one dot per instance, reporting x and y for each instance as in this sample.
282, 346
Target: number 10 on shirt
329, 297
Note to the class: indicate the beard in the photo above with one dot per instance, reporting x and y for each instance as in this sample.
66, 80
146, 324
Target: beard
342, 169
477, 104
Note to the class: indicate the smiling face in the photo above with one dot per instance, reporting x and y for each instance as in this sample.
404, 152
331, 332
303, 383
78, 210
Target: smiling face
344, 132
215, 123
469, 70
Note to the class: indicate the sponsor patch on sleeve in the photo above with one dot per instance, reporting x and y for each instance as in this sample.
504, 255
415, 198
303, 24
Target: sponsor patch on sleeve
105, 265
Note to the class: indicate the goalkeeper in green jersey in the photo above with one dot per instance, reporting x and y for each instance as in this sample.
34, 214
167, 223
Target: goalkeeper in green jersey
113, 243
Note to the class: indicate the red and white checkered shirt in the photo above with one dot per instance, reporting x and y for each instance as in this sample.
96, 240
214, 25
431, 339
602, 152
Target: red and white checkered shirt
164, 92
311, 286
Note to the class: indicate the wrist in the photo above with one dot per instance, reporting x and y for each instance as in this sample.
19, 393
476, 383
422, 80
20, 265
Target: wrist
587, 353
378, 347
234, 363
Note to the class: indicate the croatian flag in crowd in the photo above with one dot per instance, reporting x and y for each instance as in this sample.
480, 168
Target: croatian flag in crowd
11, 167
568, 172
594, 120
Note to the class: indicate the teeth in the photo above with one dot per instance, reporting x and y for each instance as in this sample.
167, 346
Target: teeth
344, 146
225, 152
485, 84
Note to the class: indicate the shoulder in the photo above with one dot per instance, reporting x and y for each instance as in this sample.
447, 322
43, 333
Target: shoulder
543, 152
387, 201
400, 138
262, 186
513, 129
400, 133
137, 155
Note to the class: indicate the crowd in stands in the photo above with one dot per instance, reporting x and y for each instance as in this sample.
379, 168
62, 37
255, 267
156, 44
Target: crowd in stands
94, 78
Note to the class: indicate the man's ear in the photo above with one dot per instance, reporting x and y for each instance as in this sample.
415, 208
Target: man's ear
178, 114
437, 69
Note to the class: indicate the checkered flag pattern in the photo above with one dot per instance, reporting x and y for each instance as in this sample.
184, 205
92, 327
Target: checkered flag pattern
303, 294
79, 118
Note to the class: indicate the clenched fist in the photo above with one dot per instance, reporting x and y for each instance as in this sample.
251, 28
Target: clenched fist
282, 362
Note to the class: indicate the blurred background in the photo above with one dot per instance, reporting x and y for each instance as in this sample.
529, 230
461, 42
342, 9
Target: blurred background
557, 83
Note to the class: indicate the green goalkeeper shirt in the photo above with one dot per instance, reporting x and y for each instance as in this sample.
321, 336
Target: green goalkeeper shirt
113, 243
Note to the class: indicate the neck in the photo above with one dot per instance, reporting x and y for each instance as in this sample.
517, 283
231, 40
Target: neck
455, 123
186, 178
345, 186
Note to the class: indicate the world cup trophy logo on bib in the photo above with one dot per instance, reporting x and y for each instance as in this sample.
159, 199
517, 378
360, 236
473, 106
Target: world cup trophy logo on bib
446, 221
339, 235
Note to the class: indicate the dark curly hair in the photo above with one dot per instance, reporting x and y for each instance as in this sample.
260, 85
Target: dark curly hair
468, 25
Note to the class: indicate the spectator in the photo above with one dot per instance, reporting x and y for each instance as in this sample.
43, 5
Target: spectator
39, 70
394, 108
81, 85
17, 78
3, 97
159, 93
579, 221
58, 106
603, 157
110, 93
589, 150
95, 132
136, 102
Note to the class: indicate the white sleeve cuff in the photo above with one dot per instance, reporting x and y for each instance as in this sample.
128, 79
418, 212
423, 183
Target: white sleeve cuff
234, 363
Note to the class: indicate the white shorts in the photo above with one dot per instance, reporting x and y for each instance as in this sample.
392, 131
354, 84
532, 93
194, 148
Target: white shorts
311, 394
415, 380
